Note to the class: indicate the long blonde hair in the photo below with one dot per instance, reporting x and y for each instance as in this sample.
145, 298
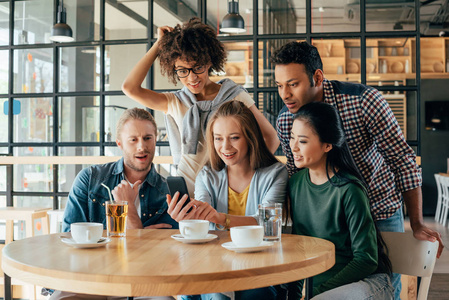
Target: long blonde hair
259, 154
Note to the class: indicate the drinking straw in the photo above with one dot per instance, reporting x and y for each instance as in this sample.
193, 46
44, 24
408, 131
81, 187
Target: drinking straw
109, 191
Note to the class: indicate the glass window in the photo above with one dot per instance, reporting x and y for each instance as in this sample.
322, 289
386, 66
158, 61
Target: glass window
162, 82
239, 64
79, 151
161, 130
4, 67
126, 20
390, 61
4, 24
62, 201
171, 13
33, 70
79, 119
4, 120
84, 19
115, 106
32, 201
341, 58
67, 173
2, 181
271, 104
394, 15
35, 177
34, 123
279, 17
335, 18
433, 60
266, 69
112, 151
119, 60
33, 20
79, 69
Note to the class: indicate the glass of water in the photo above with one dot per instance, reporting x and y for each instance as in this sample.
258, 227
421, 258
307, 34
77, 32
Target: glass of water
270, 217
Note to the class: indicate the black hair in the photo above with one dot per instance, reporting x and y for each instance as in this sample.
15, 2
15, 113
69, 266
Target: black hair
325, 121
299, 53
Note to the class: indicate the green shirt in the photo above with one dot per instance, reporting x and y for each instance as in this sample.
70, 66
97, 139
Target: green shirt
340, 215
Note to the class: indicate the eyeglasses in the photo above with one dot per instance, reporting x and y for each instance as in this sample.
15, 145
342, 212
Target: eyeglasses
184, 72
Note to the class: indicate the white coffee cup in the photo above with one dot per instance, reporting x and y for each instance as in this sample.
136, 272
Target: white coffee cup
194, 229
247, 236
86, 232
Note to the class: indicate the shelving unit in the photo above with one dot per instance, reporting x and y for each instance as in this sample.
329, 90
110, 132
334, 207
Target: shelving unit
386, 59
433, 55
384, 56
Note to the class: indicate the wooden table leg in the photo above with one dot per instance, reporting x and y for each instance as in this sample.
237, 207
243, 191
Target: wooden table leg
309, 288
7, 287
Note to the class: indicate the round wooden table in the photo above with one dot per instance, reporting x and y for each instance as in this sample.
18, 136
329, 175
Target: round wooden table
150, 263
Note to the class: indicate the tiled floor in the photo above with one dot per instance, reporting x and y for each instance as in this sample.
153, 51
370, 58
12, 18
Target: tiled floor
442, 264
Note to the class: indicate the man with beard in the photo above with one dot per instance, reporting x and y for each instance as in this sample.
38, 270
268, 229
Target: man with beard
133, 178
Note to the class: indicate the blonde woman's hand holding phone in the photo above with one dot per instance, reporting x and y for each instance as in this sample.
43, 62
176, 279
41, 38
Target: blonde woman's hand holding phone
176, 208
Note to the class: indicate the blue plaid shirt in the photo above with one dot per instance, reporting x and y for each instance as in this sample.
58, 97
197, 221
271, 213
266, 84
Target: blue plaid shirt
375, 139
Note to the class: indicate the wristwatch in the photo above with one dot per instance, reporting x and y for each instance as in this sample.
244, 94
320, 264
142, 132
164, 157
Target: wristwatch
226, 225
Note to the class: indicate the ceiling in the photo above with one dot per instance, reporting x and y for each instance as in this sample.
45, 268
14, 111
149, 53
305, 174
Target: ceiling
327, 16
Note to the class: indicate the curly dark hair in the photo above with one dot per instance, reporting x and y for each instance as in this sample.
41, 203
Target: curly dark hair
299, 53
192, 41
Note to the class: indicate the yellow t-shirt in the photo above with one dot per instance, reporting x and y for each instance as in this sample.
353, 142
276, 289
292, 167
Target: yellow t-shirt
237, 201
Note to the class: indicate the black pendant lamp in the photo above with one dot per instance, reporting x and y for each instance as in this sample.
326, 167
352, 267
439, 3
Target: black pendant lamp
61, 32
233, 22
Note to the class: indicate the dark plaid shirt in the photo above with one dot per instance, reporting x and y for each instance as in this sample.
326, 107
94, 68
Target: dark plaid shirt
375, 139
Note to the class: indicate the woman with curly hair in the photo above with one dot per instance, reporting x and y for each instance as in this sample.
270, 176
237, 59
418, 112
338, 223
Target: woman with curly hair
189, 53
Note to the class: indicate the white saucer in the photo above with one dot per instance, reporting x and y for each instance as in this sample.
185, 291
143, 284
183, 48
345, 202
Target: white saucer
71, 242
180, 238
231, 246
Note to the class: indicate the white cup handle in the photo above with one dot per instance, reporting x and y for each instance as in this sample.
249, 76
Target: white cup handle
185, 231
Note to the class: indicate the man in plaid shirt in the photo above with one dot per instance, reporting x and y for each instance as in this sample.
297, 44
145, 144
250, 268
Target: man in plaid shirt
386, 161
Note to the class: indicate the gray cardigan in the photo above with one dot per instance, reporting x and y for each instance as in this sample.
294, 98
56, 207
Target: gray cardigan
267, 185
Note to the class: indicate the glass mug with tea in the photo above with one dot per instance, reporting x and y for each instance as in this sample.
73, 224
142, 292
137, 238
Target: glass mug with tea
116, 215
270, 217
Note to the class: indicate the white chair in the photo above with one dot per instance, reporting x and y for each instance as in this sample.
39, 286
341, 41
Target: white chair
413, 257
439, 199
56, 216
444, 181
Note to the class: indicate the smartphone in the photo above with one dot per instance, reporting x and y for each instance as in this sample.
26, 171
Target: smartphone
178, 184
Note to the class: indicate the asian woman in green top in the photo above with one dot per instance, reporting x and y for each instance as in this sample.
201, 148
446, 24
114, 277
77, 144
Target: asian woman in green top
329, 201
